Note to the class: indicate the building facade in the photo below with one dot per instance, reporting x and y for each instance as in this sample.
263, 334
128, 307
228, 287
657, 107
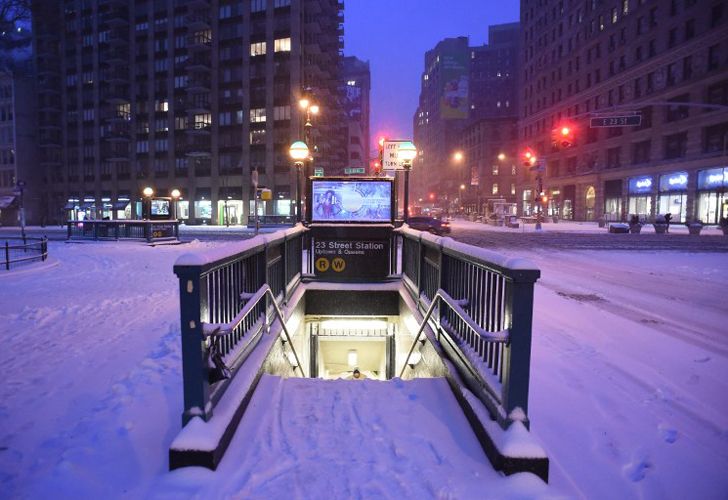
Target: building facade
19, 180
664, 61
357, 86
192, 95
462, 88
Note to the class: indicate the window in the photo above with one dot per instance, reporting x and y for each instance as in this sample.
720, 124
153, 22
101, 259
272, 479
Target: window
495, 169
613, 157
161, 144
715, 138
689, 29
142, 146
716, 15
672, 38
161, 105
180, 122
676, 145
282, 113
718, 93
641, 152
257, 5
257, 136
687, 72
675, 111
257, 115
714, 57
257, 49
625, 7
225, 11
202, 121
494, 189
282, 45
161, 125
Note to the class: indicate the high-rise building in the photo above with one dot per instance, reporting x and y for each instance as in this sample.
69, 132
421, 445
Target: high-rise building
357, 85
663, 64
192, 95
19, 179
460, 87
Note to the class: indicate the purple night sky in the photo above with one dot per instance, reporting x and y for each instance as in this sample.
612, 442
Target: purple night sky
394, 36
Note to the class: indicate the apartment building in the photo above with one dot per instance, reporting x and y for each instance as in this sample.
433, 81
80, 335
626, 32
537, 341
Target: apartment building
192, 95
665, 61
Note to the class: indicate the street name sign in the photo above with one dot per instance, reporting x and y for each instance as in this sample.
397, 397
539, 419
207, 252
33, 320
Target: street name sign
615, 121
354, 171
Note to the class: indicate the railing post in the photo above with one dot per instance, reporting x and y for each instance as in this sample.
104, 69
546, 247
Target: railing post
7, 257
517, 353
148, 232
193, 311
68, 224
95, 227
116, 231
44, 248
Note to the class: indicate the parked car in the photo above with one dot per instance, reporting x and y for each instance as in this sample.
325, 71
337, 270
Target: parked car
430, 224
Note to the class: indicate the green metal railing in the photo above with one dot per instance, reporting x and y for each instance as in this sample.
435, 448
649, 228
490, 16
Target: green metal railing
22, 250
228, 297
483, 316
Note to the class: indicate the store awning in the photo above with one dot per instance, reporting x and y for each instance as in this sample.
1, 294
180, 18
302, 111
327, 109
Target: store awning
120, 205
6, 201
69, 206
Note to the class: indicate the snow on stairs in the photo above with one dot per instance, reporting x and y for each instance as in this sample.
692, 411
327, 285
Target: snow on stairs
312, 438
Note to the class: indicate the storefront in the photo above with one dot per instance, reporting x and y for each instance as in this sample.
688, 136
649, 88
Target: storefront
122, 207
673, 196
230, 206
284, 205
567, 211
106, 206
590, 200
87, 210
203, 206
712, 199
554, 204
527, 202
640, 196
613, 200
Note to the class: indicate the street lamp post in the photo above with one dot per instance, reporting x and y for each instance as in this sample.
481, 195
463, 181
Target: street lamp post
406, 153
175, 199
148, 192
299, 153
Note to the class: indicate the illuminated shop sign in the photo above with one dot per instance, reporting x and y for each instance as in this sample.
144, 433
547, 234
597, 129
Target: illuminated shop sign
677, 181
640, 185
715, 178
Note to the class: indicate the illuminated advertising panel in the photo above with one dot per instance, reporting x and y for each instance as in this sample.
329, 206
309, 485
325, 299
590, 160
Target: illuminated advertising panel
339, 200
454, 86
160, 208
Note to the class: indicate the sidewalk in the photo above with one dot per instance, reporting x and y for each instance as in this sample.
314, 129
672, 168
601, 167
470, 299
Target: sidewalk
573, 227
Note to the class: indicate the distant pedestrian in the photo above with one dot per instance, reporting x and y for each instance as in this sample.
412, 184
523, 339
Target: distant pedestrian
668, 218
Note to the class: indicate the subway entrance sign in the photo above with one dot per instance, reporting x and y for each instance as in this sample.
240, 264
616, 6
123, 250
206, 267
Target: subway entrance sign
615, 121
318, 171
350, 256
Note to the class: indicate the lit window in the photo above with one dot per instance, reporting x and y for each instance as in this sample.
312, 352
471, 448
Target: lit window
257, 115
257, 49
281, 45
351, 83
495, 188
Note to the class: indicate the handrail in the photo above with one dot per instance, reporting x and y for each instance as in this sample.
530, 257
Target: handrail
441, 295
219, 329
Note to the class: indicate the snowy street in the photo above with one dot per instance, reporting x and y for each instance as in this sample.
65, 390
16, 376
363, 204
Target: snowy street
629, 379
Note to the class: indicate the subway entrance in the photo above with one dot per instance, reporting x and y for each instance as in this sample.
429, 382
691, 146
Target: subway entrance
352, 348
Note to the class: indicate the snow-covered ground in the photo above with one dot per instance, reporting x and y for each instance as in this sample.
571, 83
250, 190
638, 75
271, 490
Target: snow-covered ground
628, 393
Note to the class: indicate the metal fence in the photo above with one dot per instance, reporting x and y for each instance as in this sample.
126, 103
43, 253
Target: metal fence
224, 310
486, 326
122, 230
23, 250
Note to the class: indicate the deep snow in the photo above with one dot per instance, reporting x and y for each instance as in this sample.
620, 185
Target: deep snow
628, 392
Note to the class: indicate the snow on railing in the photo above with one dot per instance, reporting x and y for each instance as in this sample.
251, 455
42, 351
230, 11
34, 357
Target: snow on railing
488, 316
227, 295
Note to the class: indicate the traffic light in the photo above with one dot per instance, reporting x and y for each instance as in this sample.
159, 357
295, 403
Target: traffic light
377, 168
563, 136
544, 198
528, 157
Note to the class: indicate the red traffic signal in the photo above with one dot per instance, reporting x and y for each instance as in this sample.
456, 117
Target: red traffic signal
528, 157
563, 136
